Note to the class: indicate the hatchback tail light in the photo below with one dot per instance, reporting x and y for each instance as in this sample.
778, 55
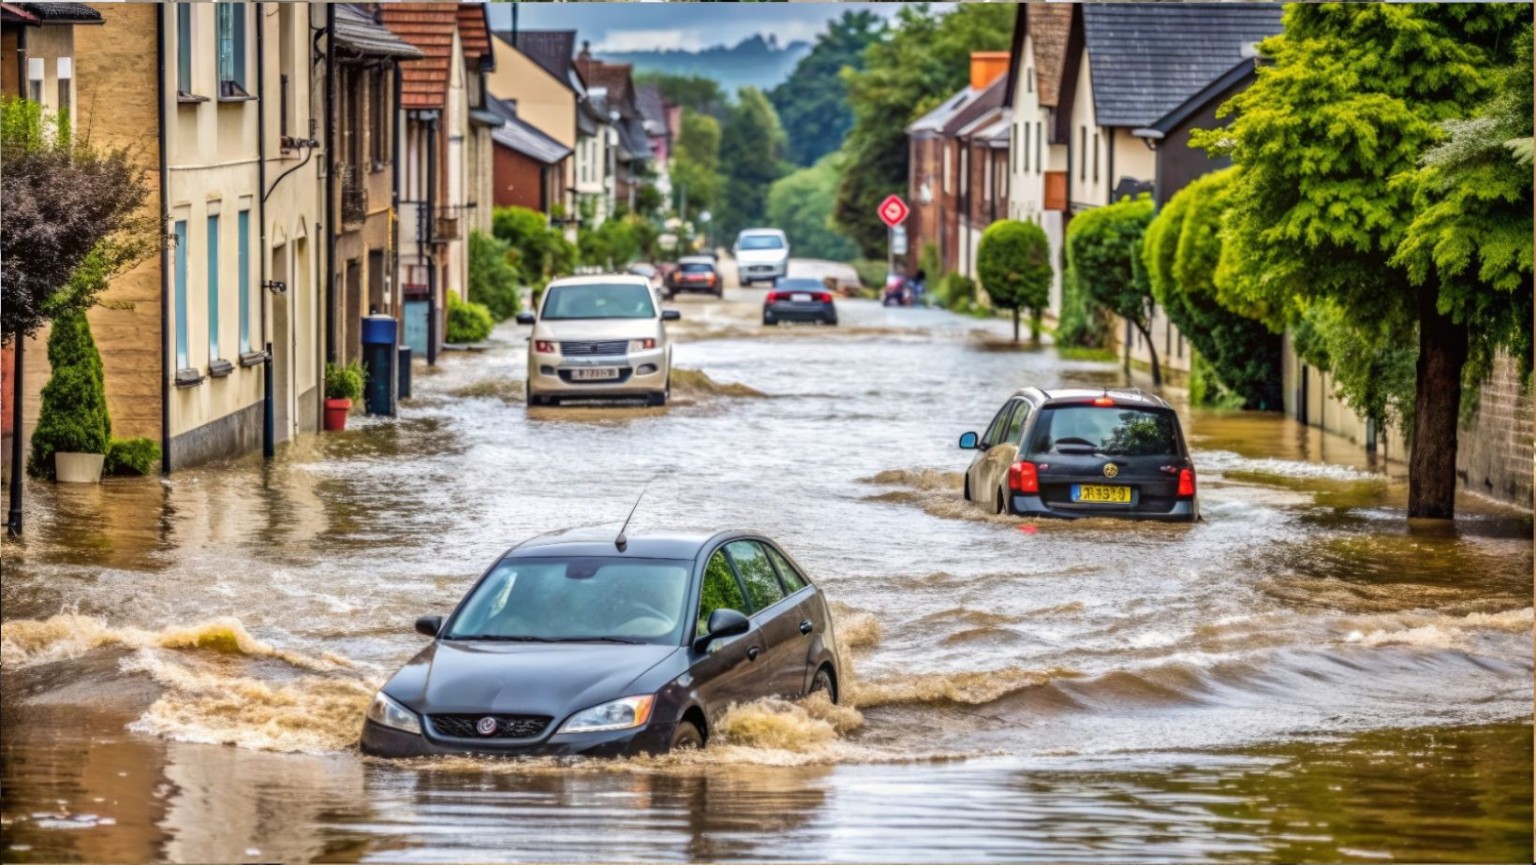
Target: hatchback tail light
1186, 483
1024, 477
543, 346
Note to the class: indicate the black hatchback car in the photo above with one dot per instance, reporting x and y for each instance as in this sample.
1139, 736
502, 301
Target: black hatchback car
1076, 453
574, 644
799, 299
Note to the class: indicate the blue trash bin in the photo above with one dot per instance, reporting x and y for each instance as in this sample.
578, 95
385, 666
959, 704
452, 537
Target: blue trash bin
379, 333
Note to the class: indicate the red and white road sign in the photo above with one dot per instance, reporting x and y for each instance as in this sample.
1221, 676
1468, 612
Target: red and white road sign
894, 211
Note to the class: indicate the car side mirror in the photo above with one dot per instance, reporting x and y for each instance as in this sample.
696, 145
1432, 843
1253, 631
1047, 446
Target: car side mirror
526, 318
429, 625
722, 623
968, 441
670, 315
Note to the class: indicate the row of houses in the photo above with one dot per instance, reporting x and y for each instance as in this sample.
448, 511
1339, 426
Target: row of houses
1096, 101
311, 165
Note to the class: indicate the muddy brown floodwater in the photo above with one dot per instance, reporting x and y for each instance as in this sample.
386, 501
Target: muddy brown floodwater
1302, 677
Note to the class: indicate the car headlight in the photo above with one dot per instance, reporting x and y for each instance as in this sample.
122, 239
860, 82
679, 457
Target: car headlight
641, 344
387, 713
617, 715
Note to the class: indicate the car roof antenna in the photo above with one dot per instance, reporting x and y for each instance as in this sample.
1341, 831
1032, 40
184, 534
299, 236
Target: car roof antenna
621, 542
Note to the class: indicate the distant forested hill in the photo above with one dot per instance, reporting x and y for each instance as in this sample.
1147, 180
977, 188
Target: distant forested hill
755, 62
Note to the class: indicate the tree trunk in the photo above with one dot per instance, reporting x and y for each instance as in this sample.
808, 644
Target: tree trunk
1437, 404
1015, 325
1157, 369
1034, 326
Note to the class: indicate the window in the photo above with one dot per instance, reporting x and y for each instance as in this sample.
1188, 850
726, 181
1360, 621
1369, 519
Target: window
1026, 147
1039, 147
719, 591
213, 288
1111, 431
66, 73
184, 49
1029, 79
757, 573
243, 255
382, 148
1082, 154
231, 50
1013, 147
998, 426
793, 580
282, 106
947, 166
1016, 422
1096, 138
986, 179
182, 361
35, 79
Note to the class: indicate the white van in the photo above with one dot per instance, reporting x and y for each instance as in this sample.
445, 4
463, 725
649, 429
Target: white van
761, 254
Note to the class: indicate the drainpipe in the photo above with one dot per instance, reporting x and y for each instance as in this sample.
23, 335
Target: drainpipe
18, 393
167, 263
397, 292
330, 186
268, 432
430, 224
1109, 159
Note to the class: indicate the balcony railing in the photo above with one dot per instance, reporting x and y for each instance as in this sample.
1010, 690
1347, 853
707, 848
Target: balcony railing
354, 195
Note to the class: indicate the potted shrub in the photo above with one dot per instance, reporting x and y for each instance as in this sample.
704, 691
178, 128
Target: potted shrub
73, 428
343, 386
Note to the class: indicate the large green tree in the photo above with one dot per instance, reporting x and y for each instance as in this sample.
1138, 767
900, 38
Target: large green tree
813, 101
751, 158
695, 168
1330, 138
924, 61
801, 202
1104, 265
694, 92
1014, 263
1181, 252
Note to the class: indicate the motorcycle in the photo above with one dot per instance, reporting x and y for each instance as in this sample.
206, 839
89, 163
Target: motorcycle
897, 292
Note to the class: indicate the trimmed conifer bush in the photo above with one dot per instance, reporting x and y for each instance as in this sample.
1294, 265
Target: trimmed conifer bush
73, 416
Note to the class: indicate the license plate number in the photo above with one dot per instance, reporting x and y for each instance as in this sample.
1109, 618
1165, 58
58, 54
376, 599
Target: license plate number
593, 374
1100, 494
798, 297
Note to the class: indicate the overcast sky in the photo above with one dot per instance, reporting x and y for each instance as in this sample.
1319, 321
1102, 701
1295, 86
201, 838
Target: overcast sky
655, 26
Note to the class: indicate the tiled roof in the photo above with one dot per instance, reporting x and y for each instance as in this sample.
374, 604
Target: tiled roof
1147, 58
989, 98
62, 13
551, 49
474, 32
358, 34
1049, 24
616, 77
632, 138
523, 137
653, 107
429, 27
934, 120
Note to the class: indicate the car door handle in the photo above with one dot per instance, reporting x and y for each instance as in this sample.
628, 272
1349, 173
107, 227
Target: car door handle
753, 652
806, 627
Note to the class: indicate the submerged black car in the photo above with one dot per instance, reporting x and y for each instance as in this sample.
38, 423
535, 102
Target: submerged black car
575, 644
799, 299
1077, 453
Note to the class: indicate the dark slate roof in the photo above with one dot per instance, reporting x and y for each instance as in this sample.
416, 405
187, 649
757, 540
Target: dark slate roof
551, 49
989, 98
632, 137
61, 13
524, 138
1147, 58
1243, 71
359, 34
653, 107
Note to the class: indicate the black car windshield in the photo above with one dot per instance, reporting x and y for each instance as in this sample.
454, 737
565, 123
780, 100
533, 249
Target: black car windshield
761, 241
599, 300
576, 599
1107, 430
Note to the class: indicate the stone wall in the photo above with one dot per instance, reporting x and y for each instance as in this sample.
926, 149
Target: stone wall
1494, 453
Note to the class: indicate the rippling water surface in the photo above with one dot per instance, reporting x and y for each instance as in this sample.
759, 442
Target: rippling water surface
1303, 676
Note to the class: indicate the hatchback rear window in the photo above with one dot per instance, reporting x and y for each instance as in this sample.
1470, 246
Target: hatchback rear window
1110, 431
697, 268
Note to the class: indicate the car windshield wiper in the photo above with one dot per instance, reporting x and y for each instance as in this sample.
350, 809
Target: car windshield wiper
501, 638
625, 640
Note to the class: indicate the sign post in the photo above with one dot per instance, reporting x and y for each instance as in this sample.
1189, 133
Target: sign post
893, 212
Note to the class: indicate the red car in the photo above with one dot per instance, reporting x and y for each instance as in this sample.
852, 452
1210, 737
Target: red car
696, 273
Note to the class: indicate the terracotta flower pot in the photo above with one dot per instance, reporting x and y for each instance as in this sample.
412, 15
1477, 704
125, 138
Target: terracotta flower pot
336, 411
75, 468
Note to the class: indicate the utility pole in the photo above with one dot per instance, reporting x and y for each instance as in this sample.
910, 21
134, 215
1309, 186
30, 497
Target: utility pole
13, 516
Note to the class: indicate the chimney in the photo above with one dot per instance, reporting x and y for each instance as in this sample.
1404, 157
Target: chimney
586, 49
987, 67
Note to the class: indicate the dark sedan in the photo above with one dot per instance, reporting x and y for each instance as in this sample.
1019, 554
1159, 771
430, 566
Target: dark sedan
1074, 452
799, 299
573, 643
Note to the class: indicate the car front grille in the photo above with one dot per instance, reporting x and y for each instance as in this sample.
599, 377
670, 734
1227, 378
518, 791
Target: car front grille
592, 349
507, 726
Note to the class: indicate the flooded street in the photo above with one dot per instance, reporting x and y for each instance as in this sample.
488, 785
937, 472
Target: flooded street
1304, 676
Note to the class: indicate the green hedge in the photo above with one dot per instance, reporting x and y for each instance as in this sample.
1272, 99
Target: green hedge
467, 322
1014, 263
73, 416
136, 456
493, 280
539, 251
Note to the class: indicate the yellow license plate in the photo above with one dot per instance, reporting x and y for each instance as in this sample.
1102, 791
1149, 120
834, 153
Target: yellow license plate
1101, 494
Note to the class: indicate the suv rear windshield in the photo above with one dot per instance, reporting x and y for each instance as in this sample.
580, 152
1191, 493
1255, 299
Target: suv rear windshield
599, 300
761, 241
696, 267
1107, 430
